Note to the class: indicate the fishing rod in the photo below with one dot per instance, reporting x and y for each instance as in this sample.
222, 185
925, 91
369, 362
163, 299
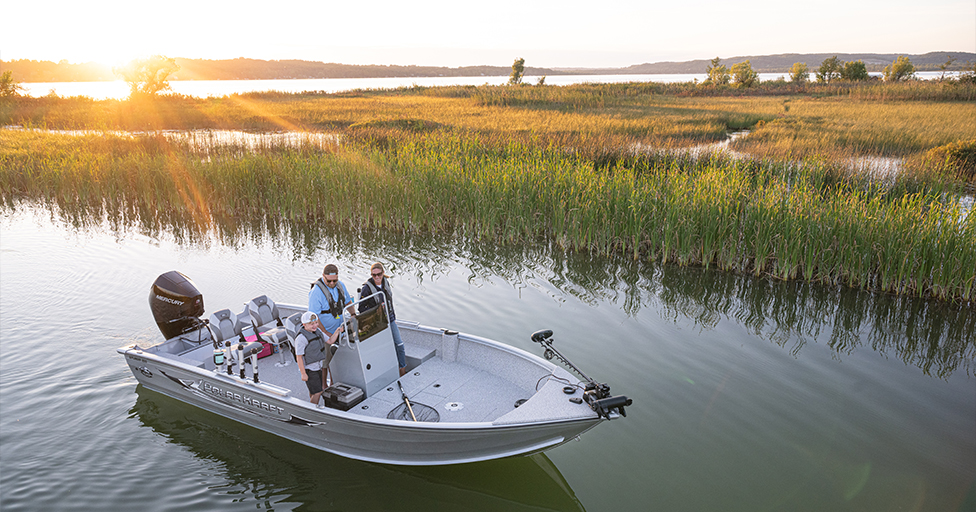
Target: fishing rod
596, 394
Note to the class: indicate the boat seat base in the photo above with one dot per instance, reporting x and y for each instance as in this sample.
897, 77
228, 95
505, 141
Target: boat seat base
417, 356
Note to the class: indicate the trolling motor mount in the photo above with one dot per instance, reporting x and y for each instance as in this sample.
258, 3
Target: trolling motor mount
596, 394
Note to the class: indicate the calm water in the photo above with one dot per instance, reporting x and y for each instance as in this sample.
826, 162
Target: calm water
204, 88
750, 395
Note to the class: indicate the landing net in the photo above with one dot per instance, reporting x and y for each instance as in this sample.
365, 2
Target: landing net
421, 411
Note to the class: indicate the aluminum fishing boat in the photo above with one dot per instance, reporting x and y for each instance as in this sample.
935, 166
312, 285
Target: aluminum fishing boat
464, 398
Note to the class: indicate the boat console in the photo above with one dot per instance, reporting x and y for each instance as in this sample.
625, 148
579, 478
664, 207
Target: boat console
366, 357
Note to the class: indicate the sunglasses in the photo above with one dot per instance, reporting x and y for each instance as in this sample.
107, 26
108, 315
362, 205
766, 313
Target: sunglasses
336, 280
377, 274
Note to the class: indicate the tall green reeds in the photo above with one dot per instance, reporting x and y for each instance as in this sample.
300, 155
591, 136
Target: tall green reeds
786, 221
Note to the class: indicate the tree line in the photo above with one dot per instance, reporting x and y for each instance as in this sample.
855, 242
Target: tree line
781, 63
831, 70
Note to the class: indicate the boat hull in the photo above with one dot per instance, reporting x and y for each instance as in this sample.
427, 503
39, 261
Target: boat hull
272, 409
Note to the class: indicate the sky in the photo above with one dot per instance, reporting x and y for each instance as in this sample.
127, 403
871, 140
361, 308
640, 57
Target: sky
568, 33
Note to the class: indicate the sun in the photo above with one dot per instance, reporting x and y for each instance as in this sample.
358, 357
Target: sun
112, 59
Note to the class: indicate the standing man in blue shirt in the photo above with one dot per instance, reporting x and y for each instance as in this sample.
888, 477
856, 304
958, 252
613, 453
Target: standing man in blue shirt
327, 298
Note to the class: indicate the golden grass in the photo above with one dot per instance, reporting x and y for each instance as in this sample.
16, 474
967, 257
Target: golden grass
556, 164
658, 118
875, 120
823, 126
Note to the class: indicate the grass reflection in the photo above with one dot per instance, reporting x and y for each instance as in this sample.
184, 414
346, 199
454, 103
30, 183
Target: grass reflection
938, 337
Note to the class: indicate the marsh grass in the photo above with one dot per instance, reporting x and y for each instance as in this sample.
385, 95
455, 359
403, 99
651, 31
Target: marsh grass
566, 165
811, 126
786, 121
784, 221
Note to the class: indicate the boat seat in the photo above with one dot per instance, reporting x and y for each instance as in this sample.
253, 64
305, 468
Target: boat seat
292, 324
266, 320
225, 325
267, 324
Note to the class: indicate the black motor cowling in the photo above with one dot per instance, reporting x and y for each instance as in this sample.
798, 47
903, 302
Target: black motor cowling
176, 304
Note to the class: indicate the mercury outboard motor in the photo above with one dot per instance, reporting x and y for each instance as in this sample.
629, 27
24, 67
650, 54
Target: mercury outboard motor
176, 304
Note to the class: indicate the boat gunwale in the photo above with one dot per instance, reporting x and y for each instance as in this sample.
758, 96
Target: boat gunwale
175, 361
527, 451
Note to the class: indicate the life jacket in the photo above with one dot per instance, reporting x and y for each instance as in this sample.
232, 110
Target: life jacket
387, 295
317, 348
335, 307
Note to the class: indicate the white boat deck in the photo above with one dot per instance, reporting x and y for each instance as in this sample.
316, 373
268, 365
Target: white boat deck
460, 393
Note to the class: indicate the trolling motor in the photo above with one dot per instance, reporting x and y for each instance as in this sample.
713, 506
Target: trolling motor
596, 394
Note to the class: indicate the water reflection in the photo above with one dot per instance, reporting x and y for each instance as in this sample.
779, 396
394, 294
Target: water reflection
938, 337
273, 473
204, 139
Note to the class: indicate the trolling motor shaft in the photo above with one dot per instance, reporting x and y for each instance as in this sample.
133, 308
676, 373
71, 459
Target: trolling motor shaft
596, 394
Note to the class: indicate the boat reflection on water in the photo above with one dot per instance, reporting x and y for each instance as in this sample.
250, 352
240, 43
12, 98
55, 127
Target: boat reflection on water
274, 472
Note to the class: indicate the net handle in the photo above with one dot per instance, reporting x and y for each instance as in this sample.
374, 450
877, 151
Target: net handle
406, 401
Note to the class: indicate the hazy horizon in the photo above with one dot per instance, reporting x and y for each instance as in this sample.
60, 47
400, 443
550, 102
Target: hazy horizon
528, 64
617, 34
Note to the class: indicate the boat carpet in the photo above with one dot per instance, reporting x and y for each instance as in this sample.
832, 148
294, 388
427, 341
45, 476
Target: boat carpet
458, 392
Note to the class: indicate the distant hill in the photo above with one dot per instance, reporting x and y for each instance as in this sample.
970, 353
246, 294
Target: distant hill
47, 71
249, 69
253, 69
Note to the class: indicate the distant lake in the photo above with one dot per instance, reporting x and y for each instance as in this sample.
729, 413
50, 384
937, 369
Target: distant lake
205, 88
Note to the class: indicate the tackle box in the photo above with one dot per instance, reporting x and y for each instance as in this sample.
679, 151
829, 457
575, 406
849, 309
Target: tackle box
342, 396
